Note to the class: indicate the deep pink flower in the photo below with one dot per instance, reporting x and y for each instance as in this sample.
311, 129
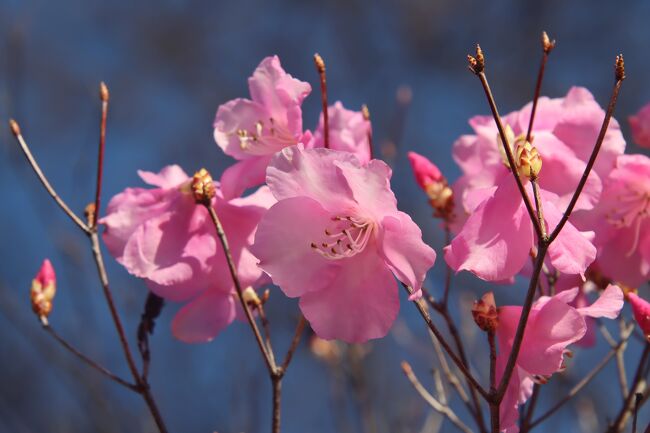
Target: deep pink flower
621, 222
426, 172
162, 236
552, 326
640, 125
348, 131
641, 310
333, 239
43, 291
253, 130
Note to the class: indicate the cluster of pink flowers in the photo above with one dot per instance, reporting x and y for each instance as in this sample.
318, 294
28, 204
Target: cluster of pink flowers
325, 229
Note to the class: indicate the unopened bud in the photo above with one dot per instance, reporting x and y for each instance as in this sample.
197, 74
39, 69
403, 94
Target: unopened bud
320, 63
250, 297
15, 128
477, 62
103, 92
203, 187
43, 291
528, 160
431, 180
406, 368
641, 310
620, 68
547, 43
89, 213
265, 296
485, 313
365, 112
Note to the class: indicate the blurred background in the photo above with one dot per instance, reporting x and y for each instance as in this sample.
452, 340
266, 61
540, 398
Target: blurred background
169, 64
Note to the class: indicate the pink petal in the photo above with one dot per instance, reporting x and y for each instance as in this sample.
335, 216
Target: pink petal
571, 252
241, 114
283, 246
169, 177
296, 172
640, 125
608, 305
406, 255
496, 239
348, 132
361, 303
279, 93
243, 175
202, 319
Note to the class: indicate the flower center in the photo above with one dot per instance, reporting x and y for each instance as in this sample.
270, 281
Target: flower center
632, 210
347, 237
266, 138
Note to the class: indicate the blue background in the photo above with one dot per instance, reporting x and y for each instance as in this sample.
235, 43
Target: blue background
169, 64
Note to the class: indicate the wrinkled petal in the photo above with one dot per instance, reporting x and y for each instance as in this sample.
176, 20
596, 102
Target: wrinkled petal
202, 319
406, 255
348, 132
296, 172
361, 303
169, 177
496, 239
283, 246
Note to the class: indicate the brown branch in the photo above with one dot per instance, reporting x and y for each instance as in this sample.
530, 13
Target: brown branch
539, 210
621, 418
547, 47
494, 406
620, 76
15, 129
294, 343
88, 360
431, 400
457, 361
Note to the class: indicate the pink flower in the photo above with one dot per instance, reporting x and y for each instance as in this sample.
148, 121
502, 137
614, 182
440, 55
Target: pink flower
162, 236
621, 222
641, 310
564, 134
552, 326
253, 130
348, 131
333, 239
640, 125
496, 240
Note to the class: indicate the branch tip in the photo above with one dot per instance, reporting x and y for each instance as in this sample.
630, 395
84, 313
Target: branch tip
476, 62
620, 68
547, 43
15, 128
104, 95
320, 63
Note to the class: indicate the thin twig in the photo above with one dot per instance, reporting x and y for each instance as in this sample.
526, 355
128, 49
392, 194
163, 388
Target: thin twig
530, 409
366, 116
103, 96
620, 76
539, 210
494, 406
448, 273
621, 418
457, 361
294, 343
267, 331
431, 400
88, 360
15, 129
547, 47
320, 67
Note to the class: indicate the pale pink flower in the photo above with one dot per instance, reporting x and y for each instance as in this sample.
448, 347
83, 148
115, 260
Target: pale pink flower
496, 240
253, 130
621, 222
641, 310
552, 326
335, 238
161, 235
640, 125
564, 134
348, 131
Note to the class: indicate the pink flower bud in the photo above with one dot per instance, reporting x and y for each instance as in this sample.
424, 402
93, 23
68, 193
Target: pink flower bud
641, 310
425, 171
43, 291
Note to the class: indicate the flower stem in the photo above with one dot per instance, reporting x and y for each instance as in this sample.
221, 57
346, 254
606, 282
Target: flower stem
104, 96
320, 67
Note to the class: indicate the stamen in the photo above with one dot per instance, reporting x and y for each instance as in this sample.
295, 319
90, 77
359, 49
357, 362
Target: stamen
356, 232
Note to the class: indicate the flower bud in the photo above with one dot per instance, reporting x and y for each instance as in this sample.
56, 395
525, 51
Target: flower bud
203, 187
641, 310
251, 298
43, 290
485, 313
528, 160
431, 180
